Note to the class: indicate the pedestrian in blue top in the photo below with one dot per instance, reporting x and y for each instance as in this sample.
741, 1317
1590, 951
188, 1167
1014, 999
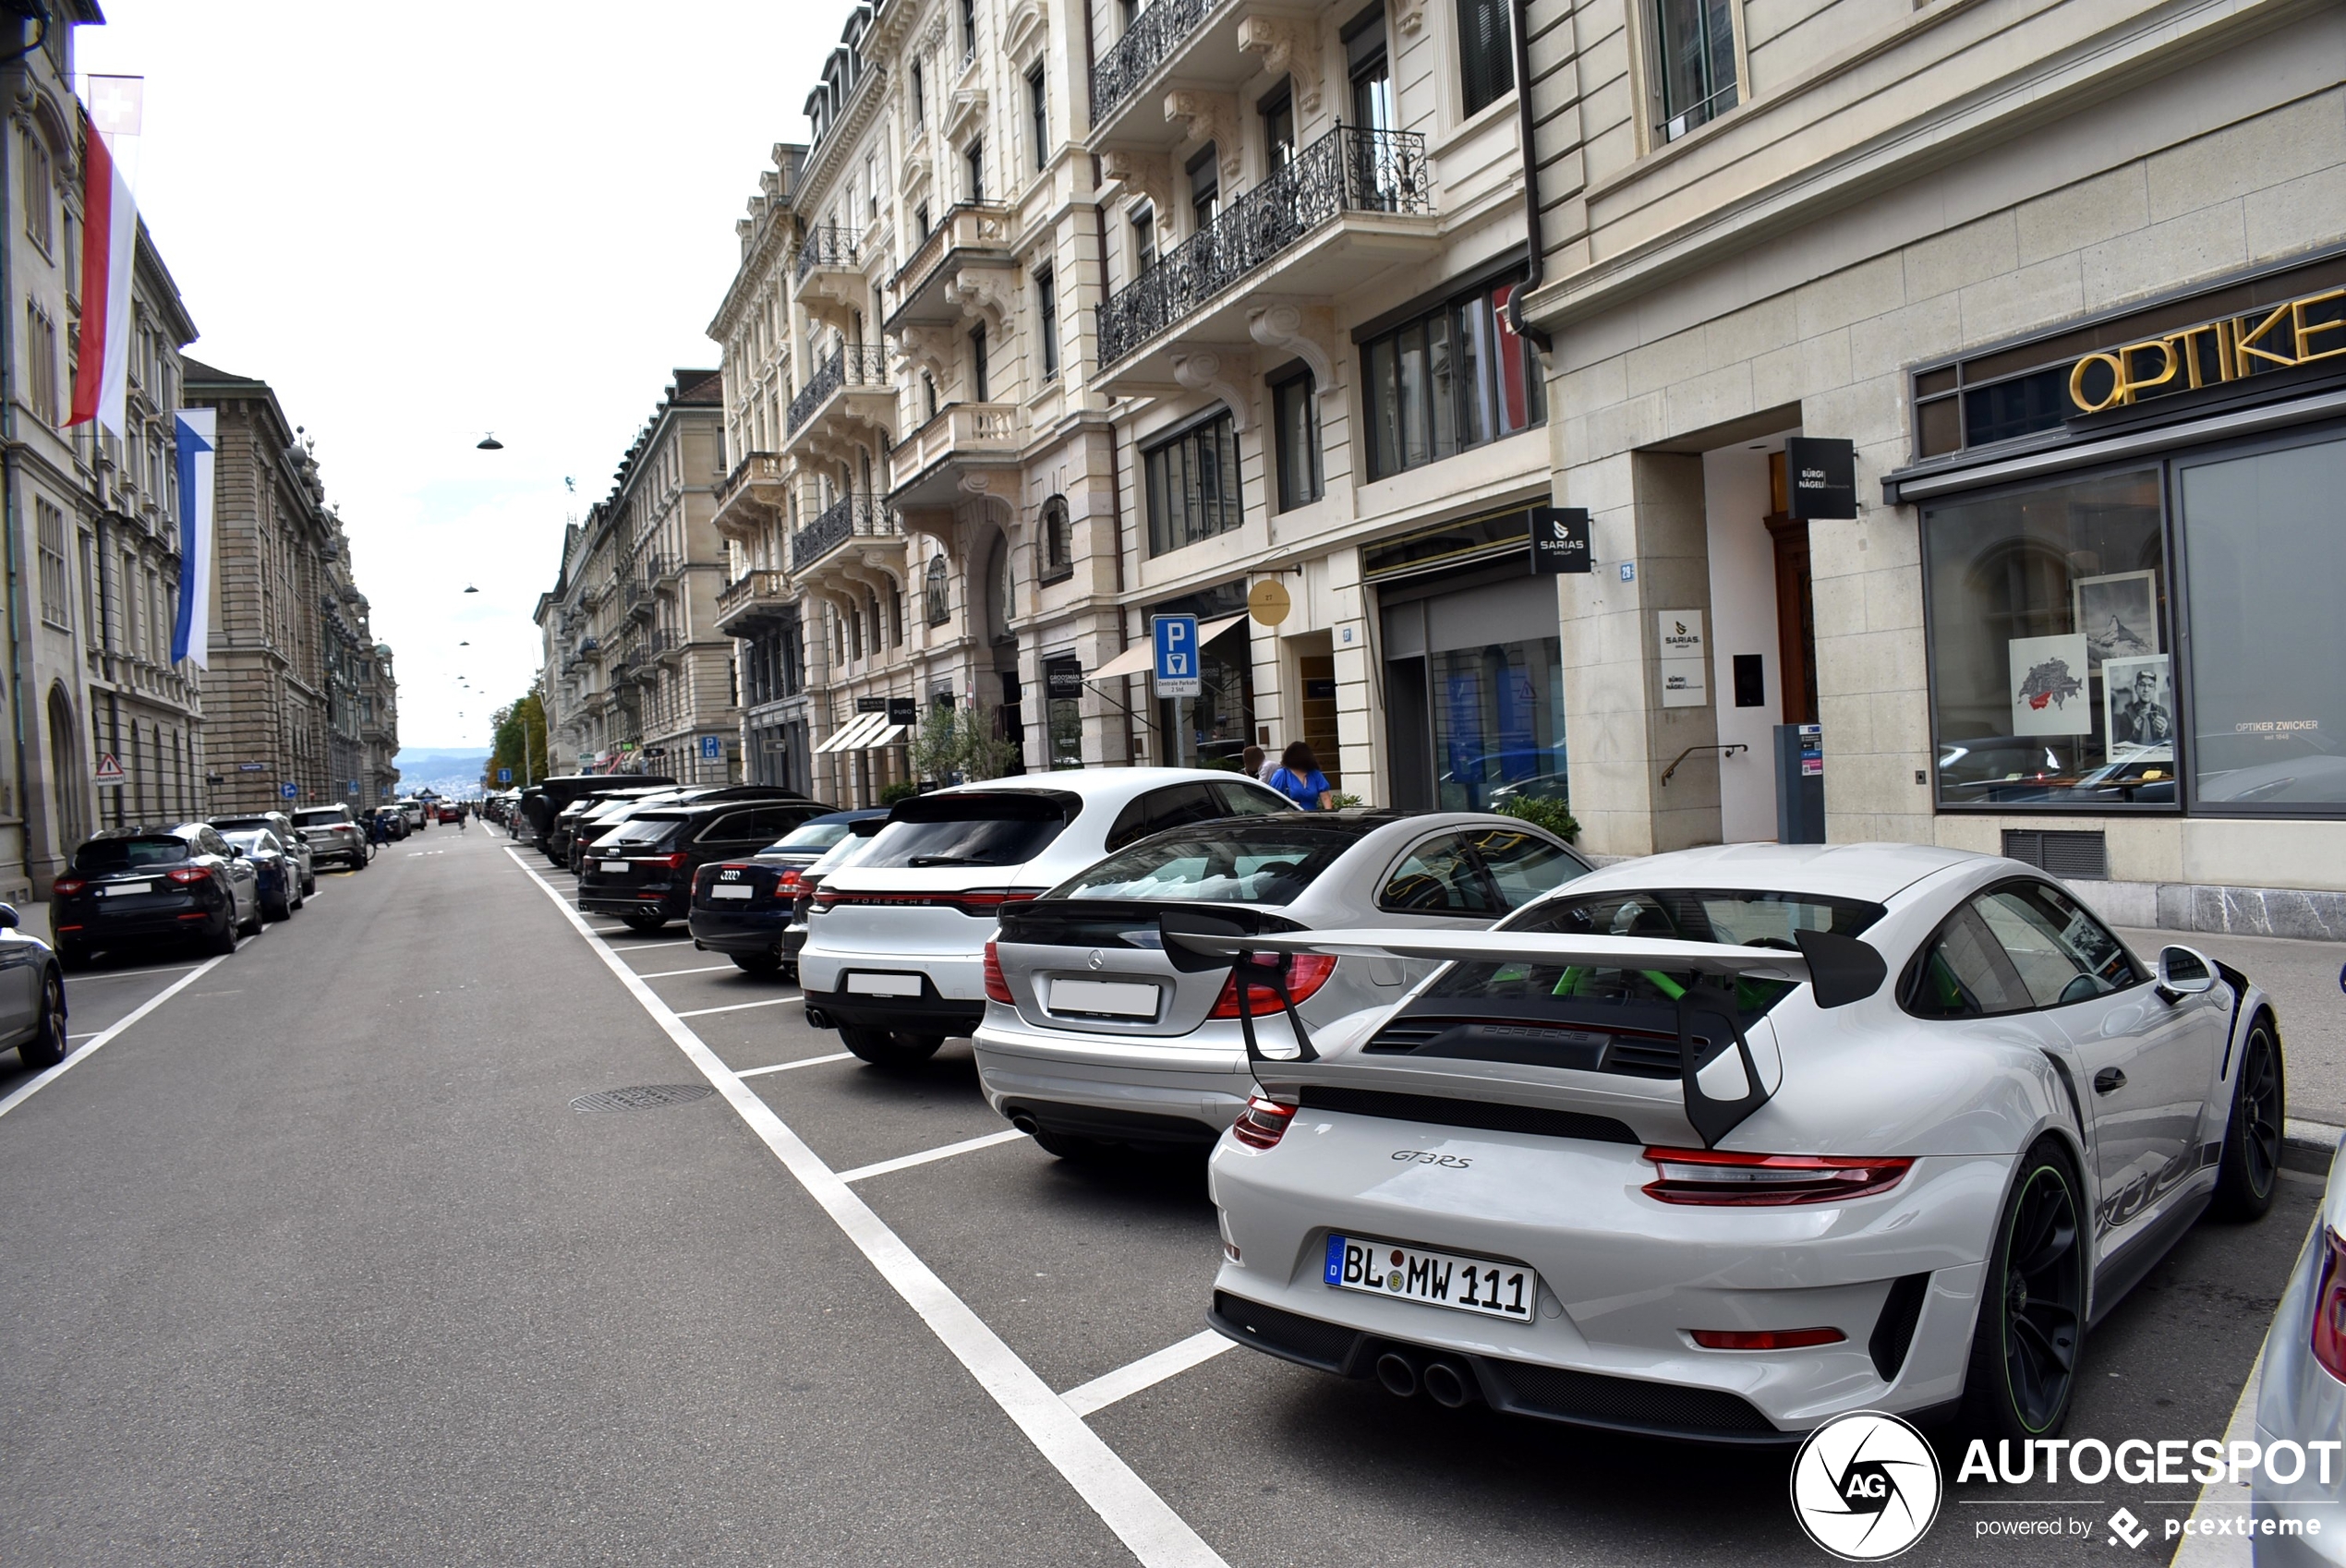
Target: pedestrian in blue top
1299, 777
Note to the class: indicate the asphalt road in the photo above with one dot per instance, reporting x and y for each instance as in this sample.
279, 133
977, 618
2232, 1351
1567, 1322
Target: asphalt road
315, 1262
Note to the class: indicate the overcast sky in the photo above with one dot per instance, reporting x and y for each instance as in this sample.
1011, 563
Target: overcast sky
422, 224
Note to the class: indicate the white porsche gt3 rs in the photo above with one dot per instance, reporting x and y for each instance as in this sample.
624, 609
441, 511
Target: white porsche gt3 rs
1722, 1143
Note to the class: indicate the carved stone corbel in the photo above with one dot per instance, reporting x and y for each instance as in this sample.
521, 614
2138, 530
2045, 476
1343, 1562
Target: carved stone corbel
1130, 174
1282, 329
926, 348
1209, 117
1204, 373
981, 297
1289, 47
1409, 16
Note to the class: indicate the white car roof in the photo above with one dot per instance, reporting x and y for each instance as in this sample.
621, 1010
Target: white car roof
1872, 872
1090, 781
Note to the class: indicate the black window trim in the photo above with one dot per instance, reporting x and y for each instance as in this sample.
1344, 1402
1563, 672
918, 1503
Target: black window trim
1910, 974
1498, 909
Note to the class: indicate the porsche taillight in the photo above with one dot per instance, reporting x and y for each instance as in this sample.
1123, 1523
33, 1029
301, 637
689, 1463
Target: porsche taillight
1723, 1177
2330, 1306
998, 984
1262, 1123
1306, 972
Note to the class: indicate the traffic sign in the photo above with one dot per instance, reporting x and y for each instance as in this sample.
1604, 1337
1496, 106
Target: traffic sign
109, 768
290, 792
1175, 673
711, 748
504, 776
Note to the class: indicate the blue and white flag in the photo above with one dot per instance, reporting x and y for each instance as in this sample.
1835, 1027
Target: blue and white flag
191, 635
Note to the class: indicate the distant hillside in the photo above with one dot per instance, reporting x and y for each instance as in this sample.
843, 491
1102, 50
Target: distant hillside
449, 773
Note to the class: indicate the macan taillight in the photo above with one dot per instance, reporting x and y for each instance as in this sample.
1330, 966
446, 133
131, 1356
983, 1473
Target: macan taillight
1262, 1123
971, 901
1725, 1178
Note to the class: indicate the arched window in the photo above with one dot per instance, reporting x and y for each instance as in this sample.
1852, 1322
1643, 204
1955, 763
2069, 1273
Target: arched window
939, 608
999, 603
66, 771
1059, 540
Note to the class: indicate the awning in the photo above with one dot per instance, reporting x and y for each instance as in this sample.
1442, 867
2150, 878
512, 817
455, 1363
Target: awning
1140, 657
854, 734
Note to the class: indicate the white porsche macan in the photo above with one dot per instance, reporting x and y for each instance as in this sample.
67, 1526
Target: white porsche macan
1722, 1143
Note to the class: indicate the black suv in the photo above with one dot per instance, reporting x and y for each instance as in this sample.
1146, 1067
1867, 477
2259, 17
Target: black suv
142, 887
642, 870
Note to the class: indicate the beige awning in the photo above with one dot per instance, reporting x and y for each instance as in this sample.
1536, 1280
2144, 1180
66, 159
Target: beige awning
1140, 657
853, 735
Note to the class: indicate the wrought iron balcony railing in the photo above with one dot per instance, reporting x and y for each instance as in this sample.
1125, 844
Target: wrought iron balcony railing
848, 364
825, 244
1154, 35
841, 521
1349, 169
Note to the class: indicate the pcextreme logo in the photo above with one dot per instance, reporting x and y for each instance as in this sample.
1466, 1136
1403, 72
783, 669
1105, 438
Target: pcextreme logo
1865, 1485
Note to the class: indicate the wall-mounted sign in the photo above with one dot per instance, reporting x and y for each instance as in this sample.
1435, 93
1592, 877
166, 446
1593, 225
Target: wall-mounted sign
871, 704
1685, 662
252, 767
2230, 348
1174, 649
109, 768
1821, 477
1560, 539
903, 710
711, 748
1064, 682
1268, 601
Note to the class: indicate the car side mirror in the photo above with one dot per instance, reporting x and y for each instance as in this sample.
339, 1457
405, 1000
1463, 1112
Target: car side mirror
2183, 972
236, 852
9, 919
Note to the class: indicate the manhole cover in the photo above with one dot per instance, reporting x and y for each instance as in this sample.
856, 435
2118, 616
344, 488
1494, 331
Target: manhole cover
642, 1097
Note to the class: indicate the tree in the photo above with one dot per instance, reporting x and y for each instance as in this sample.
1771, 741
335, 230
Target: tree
962, 745
519, 725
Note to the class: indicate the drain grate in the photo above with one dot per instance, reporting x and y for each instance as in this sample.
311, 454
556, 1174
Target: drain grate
642, 1097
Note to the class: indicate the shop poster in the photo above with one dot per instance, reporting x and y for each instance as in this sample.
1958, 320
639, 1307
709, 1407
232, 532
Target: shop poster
2048, 685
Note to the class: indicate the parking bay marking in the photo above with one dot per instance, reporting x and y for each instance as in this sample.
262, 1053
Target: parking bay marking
738, 1007
672, 973
906, 1162
50, 1074
1147, 1372
126, 973
785, 1066
1147, 1526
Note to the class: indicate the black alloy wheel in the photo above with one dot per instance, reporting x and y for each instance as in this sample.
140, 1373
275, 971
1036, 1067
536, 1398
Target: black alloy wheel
2032, 1312
2250, 1172
223, 941
48, 1045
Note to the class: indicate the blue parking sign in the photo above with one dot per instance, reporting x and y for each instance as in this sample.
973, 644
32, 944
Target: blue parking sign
290, 792
711, 748
1176, 648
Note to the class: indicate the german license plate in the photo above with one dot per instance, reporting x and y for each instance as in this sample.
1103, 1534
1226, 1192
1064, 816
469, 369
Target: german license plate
885, 984
1112, 998
117, 889
614, 865
723, 891
1437, 1279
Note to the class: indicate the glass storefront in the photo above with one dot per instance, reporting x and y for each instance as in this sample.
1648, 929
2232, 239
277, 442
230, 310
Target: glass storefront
1498, 723
1473, 684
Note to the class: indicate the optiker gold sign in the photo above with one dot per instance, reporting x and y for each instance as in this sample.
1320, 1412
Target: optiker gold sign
2230, 348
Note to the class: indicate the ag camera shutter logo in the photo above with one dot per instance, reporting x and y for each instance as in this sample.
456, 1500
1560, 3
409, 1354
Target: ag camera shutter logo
1864, 1486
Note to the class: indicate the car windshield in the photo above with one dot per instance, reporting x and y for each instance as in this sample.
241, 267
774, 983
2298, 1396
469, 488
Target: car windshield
642, 832
1221, 865
981, 828
333, 817
1644, 999
813, 835
129, 854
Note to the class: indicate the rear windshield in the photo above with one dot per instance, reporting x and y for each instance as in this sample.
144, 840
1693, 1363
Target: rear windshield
1644, 999
845, 852
1225, 866
642, 832
332, 816
813, 836
251, 840
129, 854
243, 823
976, 829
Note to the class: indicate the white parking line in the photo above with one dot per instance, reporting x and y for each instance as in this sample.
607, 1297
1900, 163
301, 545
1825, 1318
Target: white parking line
1154, 1534
126, 973
42, 1081
906, 1162
1147, 1372
672, 973
740, 1006
646, 947
802, 1062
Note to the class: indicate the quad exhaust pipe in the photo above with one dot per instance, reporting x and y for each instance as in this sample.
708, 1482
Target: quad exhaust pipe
1445, 1381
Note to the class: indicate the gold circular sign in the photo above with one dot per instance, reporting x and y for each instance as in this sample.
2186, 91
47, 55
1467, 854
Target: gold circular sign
1268, 602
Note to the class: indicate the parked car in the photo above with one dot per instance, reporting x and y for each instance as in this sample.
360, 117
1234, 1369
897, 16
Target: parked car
542, 802
642, 870
2302, 1395
141, 887
334, 835
448, 810
412, 809
597, 814
289, 840
394, 822
744, 908
1093, 1035
280, 891
895, 953
32, 996
1726, 1143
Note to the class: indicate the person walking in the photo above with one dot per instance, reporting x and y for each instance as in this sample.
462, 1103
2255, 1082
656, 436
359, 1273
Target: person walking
1251, 762
1299, 777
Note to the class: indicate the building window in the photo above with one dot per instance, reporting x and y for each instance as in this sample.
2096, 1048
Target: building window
928, 395
1486, 54
974, 162
920, 221
56, 599
1370, 66
1193, 486
40, 200
1143, 240
1694, 44
1278, 108
1294, 406
1038, 108
969, 30
1452, 379
1047, 312
981, 387
937, 607
919, 100
1205, 190
1059, 542
41, 355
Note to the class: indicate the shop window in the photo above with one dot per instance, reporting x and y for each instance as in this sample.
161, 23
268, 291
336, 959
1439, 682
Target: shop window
1193, 486
2263, 556
1295, 409
1486, 54
1448, 380
2051, 682
1063, 712
1059, 542
1694, 46
1498, 723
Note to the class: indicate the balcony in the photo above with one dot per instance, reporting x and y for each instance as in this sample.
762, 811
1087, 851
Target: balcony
1352, 205
849, 517
590, 650
665, 646
755, 599
829, 272
636, 593
751, 494
963, 436
1159, 33
849, 387
974, 234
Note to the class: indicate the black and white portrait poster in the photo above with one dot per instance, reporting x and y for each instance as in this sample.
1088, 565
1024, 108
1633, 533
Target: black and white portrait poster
2138, 704
2119, 615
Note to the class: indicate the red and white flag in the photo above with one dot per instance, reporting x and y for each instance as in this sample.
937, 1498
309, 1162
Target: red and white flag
110, 232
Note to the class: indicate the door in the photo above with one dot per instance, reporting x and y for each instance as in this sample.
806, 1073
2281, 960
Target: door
21, 972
